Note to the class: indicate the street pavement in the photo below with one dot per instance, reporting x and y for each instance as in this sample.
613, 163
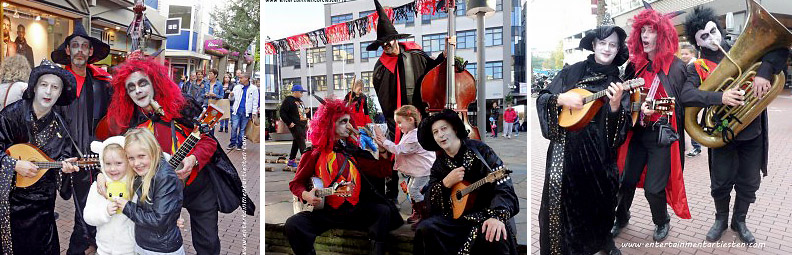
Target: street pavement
278, 198
770, 218
230, 226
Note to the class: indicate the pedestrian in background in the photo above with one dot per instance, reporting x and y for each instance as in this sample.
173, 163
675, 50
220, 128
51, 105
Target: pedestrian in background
292, 112
15, 73
508, 120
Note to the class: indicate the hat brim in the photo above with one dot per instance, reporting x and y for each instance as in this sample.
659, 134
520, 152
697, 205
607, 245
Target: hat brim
100, 51
69, 91
587, 42
425, 137
376, 44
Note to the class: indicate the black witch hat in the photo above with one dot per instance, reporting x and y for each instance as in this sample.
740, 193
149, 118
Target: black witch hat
69, 91
386, 32
100, 49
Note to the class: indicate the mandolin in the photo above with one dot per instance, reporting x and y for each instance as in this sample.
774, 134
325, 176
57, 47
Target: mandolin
462, 195
574, 120
342, 189
29, 152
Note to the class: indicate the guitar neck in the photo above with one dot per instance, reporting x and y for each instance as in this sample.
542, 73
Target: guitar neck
631, 84
184, 149
474, 186
324, 192
55, 164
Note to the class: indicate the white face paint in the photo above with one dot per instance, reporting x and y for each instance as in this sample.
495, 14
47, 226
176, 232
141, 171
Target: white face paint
140, 89
341, 126
605, 50
444, 134
709, 37
79, 49
649, 38
47, 91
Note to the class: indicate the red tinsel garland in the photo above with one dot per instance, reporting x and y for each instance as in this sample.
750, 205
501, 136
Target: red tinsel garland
269, 49
298, 41
341, 32
337, 33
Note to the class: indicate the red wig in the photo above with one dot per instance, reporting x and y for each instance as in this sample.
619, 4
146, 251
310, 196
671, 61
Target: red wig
667, 39
166, 93
322, 129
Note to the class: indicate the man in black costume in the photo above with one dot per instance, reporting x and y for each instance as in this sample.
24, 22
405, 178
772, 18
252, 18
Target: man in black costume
738, 164
579, 193
77, 53
397, 77
487, 226
31, 227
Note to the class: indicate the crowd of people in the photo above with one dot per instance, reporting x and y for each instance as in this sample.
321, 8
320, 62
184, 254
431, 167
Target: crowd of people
131, 203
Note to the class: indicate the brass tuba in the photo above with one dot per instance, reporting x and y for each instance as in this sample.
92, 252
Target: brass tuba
762, 34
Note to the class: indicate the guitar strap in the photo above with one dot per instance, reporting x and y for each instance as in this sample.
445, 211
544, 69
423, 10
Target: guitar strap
174, 139
481, 158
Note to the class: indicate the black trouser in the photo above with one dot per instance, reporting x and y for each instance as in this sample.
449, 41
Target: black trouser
200, 201
298, 133
83, 234
736, 165
643, 152
303, 228
444, 235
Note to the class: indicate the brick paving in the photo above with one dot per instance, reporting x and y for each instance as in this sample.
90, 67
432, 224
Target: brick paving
230, 225
770, 218
513, 151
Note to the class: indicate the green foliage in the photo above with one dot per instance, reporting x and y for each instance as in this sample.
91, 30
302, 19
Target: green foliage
372, 109
238, 25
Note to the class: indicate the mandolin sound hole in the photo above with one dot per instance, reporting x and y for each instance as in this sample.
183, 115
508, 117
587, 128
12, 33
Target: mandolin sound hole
459, 195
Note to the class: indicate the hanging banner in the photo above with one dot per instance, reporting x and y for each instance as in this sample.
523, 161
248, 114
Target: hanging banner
353, 28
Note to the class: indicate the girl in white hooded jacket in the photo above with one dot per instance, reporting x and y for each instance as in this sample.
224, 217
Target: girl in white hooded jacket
115, 233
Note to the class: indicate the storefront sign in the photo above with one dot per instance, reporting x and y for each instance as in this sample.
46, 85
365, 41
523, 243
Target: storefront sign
215, 47
173, 26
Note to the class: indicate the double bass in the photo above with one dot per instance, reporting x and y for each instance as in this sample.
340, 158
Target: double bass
449, 87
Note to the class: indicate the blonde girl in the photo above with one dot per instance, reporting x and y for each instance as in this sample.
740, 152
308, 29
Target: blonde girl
115, 232
157, 197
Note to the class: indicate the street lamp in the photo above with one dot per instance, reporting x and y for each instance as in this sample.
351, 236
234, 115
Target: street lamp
478, 9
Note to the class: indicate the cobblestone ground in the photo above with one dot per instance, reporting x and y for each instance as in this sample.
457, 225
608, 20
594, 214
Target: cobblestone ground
230, 225
769, 218
513, 151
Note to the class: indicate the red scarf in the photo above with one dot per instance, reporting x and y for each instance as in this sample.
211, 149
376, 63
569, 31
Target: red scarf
390, 61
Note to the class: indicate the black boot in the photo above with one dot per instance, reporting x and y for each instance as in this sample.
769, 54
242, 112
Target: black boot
738, 221
721, 218
661, 232
377, 248
625, 198
657, 204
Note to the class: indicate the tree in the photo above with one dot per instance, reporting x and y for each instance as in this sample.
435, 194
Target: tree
556, 60
238, 25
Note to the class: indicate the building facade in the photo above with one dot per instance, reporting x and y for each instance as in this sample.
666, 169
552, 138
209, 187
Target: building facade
45, 24
329, 69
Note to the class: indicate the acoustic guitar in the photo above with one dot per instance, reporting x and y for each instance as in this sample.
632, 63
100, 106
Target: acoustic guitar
207, 119
462, 193
663, 105
574, 120
342, 189
29, 152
